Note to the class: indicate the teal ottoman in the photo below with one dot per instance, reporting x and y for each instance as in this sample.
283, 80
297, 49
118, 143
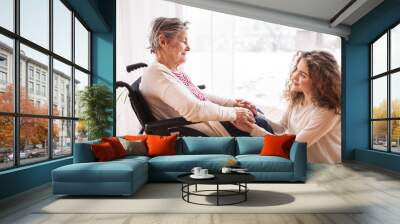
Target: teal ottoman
118, 177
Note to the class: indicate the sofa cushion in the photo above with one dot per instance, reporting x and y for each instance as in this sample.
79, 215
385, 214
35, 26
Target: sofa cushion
134, 147
206, 145
257, 163
185, 163
277, 145
249, 145
116, 145
161, 145
130, 158
103, 152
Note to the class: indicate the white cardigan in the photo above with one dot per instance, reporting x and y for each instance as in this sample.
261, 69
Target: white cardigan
168, 97
318, 127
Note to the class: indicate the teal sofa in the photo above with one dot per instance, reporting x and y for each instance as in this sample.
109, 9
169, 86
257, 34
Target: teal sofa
125, 176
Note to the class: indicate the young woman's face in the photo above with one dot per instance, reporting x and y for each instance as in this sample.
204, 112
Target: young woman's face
177, 47
301, 80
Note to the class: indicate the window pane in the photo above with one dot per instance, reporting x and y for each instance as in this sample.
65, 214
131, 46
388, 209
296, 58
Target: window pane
395, 138
395, 94
33, 139
6, 142
379, 135
200, 41
7, 14
222, 50
62, 89
395, 47
379, 55
62, 29
81, 45
81, 131
62, 141
81, 81
34, 97
379, 98
6, 74
35, 21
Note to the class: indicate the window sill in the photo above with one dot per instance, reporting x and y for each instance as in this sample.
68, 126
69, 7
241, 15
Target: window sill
26, 167
385, 160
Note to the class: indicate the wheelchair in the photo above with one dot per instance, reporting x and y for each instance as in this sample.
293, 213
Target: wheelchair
149, 124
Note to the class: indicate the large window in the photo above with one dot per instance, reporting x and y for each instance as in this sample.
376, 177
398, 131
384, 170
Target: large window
44, 63
385, 94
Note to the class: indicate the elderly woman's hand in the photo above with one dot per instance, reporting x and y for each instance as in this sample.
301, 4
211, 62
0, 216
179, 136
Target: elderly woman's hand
244, 115
245, 104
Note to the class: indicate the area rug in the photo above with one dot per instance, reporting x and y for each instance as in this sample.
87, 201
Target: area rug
166, 198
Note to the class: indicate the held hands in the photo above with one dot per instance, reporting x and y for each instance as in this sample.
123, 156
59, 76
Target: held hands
244, 115
245, 112
245, 104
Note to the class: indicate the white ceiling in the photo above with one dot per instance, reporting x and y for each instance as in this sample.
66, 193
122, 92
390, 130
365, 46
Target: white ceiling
315, 15
320, 9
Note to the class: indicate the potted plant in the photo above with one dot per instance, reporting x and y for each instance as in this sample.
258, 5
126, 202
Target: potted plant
96, 103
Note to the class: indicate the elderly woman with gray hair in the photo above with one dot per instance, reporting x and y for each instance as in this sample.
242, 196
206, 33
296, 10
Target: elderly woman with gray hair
170, 92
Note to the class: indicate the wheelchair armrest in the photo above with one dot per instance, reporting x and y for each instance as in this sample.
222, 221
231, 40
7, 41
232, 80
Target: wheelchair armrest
166, 124
133, 67
122, 84
201, 86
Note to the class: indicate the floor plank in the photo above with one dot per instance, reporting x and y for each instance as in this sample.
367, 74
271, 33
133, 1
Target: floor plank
377, 189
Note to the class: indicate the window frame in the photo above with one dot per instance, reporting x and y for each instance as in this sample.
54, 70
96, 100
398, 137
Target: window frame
3, 71
388, 74
16, 114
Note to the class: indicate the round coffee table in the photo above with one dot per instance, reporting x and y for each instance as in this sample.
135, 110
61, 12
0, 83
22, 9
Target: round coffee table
238, 179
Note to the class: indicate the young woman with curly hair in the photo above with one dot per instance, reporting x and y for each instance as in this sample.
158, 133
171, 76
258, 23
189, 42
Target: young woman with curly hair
313, 113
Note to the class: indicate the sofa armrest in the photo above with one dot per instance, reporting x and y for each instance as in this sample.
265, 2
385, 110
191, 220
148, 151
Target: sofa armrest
298, 155
83, 152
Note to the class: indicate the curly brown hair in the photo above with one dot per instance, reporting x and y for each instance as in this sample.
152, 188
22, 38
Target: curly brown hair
325, 76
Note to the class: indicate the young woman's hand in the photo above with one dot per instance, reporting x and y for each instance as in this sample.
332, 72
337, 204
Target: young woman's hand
245, 104
244, 115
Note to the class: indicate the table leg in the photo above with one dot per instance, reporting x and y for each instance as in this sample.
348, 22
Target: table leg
217, 194
196, 188
182, 188
188, 190
245, 191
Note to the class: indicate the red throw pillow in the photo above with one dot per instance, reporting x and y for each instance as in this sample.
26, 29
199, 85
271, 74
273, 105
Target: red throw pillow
103, 152
277, 145
161, 145
136, 137
116, 145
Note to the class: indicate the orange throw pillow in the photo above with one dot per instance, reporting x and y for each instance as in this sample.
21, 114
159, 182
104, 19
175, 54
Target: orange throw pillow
103, 151
116, 145
136, 137
277, 145
161, 145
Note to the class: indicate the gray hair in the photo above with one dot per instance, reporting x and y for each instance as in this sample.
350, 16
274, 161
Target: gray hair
169, 27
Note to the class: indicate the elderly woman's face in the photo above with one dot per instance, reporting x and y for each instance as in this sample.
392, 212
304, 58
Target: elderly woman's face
176, 48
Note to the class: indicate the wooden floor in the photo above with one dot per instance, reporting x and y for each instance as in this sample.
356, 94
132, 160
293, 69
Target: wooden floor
378, 188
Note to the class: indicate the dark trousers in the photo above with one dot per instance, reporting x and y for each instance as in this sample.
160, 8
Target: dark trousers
233, 131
